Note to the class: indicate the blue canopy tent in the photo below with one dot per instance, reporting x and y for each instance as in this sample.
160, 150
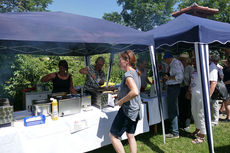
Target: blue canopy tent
58, 33
187, 30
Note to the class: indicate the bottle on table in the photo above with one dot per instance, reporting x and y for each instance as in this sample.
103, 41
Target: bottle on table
54, 109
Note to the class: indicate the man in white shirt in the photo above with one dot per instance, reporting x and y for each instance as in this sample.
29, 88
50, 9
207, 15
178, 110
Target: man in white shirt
173, 79
213, 78
197, 107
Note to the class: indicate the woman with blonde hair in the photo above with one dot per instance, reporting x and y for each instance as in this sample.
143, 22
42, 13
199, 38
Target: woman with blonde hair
130, 102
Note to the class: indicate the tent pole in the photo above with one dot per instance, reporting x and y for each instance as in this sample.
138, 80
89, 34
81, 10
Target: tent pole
157, 83
87, 60
109, 69
202, 64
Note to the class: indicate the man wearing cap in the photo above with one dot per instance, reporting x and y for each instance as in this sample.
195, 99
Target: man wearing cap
173, 80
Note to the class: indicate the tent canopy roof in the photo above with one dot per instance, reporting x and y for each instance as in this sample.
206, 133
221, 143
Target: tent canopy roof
58, 33
190, 29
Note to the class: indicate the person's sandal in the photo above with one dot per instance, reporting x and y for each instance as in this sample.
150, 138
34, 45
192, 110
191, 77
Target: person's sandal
198, 140
194, 134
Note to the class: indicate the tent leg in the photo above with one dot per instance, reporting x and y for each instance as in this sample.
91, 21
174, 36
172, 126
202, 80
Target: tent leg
109, 69
157, 83
202, 64
87, 60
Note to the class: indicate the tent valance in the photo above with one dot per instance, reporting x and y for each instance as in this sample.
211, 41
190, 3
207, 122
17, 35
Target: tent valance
190, 29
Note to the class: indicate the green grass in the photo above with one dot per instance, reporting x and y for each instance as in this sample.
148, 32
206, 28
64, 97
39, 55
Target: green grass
150, 143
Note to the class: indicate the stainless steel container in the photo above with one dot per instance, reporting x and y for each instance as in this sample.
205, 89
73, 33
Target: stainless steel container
41, 109
85, 100
69, 106
100, 100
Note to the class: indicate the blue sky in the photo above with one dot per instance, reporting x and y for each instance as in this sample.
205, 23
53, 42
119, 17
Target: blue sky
92, 8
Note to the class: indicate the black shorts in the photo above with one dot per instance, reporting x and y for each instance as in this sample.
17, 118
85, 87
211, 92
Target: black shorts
122, 124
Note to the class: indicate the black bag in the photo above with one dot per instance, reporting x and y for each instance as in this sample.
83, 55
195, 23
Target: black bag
220, 92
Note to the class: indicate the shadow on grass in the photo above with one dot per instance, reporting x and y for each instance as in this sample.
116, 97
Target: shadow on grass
186, 134
105, 149
222, 149
145, 138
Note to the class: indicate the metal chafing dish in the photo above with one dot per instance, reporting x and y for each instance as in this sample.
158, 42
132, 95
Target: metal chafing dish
41, 107
6, 112
100, 96
85, 100
69, 104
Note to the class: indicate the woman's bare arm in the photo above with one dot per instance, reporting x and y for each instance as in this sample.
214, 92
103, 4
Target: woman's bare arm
48, 77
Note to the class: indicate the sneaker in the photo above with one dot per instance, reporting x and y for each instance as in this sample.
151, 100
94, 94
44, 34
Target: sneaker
214, 124
170, 135
187, 129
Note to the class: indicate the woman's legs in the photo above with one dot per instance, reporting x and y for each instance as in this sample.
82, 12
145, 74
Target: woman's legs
227, 108
222, 108
117, 145
132, 143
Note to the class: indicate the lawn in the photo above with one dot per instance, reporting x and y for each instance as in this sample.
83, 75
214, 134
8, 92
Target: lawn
150, 143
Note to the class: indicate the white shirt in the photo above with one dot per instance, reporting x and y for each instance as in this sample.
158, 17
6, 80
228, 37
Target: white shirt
177, 70
213, 72
187, 74
195, 83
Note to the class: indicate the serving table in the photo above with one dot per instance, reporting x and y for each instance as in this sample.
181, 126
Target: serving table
77, 133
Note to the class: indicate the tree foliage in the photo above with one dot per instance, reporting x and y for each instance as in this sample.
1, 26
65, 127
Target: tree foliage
142, 14
25, 71
222, 5
24, 5
114, 17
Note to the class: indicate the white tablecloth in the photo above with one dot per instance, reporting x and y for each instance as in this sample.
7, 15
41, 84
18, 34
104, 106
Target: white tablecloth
58, 136
153, 109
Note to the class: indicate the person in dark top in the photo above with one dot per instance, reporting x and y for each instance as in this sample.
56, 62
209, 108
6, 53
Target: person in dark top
62, 80
226, 71
226, 80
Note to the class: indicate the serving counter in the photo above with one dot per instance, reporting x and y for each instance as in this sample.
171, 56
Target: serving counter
153, 109
77, 133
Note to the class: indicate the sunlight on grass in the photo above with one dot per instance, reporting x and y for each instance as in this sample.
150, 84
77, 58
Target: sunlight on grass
150, 143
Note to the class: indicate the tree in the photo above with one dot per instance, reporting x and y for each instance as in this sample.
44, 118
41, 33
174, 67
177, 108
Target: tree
142, 14
20, 71
24, 5
114, 17
222, 5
